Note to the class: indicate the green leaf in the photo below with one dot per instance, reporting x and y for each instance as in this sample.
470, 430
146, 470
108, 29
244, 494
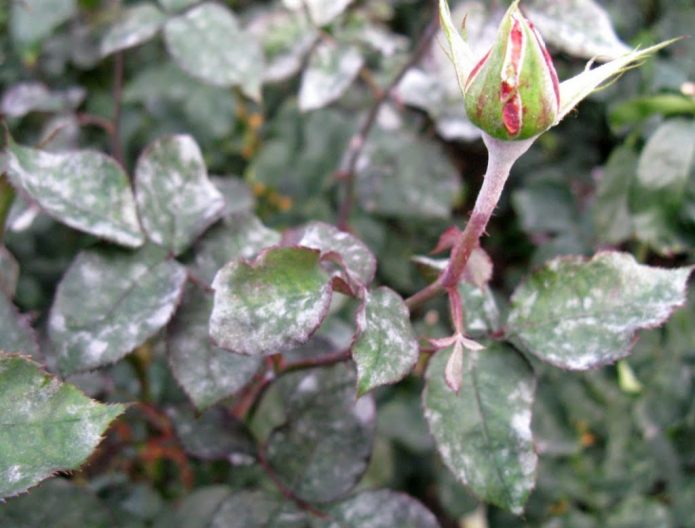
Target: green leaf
612, 218
86, 190
16, 334
236, 237
663, 172
208, 43
484, 432
9, 273
238, 196
214, 435
579, 314
331, 70
135, 25
206, 373
34, 20
110, 302
386, 349
321, 450
220, 507
47, 426
270, 305
176, 5
359, 261
578, 27
378, 509
321, 12
46, 506
176, 200
25, 97
404, 176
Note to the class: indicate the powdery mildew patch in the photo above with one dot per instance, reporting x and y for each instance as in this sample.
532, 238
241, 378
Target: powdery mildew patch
579, 314
108, 303
484, 432
177, 201
45, 425
136, 25
86, 190
386, 349
270, 305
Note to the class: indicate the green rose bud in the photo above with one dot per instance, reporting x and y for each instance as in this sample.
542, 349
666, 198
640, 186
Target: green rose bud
513, 92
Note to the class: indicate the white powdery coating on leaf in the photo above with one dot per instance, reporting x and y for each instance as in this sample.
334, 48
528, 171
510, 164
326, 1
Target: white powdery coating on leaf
321, 11
176, 199
208, 43
86, 190
331, 70
95, 324
277, 308
137, 25
582, 314
358, 259
386, 349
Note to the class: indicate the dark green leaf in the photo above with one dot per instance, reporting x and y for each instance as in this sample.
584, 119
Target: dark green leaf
16, 334
484, 432
110, 302
378, 509
34, 20
612, 217
214, 435
135, 25
386, 348
57, 503
580, 314
45, 426
177, 201
271, 304
9, 273
86, 190
406, 177
206, 373
663, 171
321, 451
208, 43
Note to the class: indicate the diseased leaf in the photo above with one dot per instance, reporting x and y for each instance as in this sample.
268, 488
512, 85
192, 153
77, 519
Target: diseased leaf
579, 314
45, 425
483, 433
270, 305
578, 27
86, 190
33, 20
177, 201
663, 171
237, 237
321, 450
110, 302
238, 197
378, 509
356, 256
391, 177
25, 97
135, 25
214, 435
208, 43
47, 506
16, 334
176, 5
9, 273
386, 348
321, 11
206, 373
330, 72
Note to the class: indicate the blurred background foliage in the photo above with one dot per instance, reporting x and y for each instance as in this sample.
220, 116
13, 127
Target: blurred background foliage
616, 445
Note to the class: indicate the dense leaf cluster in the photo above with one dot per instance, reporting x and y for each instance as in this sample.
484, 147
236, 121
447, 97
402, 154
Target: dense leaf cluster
213, 219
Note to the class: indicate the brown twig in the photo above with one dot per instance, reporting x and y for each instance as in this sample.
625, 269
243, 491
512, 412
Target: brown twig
346, 172
116, 146
84, 119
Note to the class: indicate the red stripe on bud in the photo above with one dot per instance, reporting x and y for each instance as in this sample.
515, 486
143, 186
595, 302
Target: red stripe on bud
511, 115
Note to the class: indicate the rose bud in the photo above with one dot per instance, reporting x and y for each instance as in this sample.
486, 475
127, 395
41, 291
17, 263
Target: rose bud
513, 92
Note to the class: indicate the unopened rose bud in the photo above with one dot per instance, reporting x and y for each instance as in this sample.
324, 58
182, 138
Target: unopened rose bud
513, 92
